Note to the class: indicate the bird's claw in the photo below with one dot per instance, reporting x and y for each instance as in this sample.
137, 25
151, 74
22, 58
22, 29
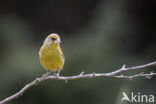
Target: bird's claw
57, 75
46, 74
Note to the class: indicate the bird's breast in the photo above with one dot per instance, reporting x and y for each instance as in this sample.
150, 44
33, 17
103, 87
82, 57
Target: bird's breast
51, 58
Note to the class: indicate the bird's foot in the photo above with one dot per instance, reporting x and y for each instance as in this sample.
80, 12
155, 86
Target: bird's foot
46, 74
57, 75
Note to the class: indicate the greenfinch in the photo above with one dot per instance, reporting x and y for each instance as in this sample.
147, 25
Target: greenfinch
51, 55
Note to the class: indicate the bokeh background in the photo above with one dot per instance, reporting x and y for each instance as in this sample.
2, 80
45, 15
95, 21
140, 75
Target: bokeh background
97, 36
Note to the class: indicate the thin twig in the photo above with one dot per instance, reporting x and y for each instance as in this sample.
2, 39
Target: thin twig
82, 76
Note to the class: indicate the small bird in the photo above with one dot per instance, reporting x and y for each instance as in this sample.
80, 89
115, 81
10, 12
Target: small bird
51, 55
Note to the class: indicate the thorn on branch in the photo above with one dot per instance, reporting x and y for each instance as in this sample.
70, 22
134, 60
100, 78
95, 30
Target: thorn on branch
123, 67
81, 73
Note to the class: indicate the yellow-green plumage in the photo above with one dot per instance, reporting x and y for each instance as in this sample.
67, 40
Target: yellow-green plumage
51, 56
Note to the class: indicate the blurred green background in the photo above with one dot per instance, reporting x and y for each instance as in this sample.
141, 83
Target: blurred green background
97, 36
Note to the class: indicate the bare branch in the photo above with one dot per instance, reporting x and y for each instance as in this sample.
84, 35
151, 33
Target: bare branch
82, 76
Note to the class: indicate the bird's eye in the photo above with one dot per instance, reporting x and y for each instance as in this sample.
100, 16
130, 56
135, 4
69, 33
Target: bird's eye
53, 39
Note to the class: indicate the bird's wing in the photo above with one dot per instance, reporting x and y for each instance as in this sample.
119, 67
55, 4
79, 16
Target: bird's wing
60, 59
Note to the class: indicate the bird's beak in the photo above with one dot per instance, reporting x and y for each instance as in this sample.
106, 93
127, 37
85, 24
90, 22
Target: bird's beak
57, 41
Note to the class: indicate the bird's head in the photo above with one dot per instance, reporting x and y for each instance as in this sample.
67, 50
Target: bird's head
52, 39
